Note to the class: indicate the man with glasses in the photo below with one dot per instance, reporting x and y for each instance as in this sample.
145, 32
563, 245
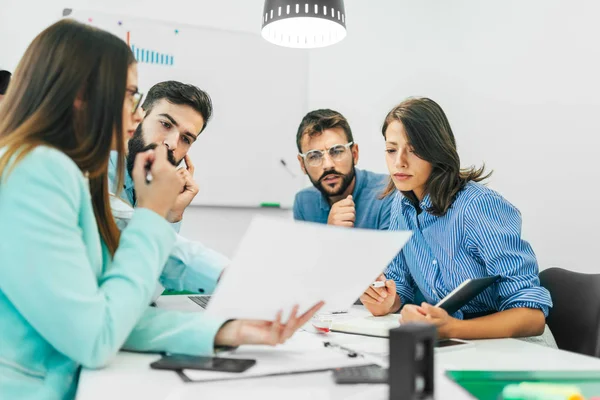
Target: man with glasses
174, 115
342, 194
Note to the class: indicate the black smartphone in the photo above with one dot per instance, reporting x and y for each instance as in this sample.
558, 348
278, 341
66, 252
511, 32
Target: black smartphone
180, 361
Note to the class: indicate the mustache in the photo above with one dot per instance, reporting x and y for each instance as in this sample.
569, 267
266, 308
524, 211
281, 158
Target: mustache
331, 172
170, 154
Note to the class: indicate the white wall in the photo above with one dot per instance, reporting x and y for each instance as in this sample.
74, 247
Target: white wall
518, 80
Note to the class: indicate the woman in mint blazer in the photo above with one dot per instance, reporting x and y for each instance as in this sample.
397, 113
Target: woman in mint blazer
73, 291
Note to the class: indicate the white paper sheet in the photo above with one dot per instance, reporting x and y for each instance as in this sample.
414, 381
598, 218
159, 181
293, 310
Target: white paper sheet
280, 263
303, 352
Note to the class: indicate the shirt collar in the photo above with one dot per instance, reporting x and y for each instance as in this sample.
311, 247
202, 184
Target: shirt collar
358, 187
425, 204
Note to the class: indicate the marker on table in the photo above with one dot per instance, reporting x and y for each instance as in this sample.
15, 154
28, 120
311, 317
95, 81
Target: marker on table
378, 284
270, 205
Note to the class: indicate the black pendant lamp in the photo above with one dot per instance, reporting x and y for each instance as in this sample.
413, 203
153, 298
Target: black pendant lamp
304, 24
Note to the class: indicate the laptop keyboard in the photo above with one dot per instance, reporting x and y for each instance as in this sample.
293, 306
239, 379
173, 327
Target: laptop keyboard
202, 301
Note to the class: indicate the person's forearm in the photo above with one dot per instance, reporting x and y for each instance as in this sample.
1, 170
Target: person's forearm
397, 304
515, 322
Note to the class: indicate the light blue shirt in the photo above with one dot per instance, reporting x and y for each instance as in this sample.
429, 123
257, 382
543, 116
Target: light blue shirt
191, 266
479, 236
371, 211
64, 301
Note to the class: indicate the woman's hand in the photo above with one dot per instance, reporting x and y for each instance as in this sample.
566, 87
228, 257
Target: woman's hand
239, 332
429, 314
160, 194
381, 301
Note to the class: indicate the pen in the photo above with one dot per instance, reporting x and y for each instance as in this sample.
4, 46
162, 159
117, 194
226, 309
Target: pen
381, 361
149, 176
378, 284
351, 353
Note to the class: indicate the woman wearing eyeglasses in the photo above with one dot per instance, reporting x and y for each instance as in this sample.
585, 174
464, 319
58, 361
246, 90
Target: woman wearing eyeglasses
461, 230
73, 290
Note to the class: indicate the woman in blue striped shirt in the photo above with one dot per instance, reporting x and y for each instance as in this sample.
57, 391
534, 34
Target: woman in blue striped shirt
461, 230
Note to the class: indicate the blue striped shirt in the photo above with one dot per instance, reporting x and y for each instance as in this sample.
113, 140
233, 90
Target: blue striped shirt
479, 236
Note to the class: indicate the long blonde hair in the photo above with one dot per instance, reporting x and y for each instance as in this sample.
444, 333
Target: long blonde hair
66, 63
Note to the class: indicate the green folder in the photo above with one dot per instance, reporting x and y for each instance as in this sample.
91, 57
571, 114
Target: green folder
488, 385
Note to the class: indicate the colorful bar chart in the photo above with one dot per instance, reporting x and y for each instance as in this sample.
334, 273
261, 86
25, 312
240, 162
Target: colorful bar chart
148, 56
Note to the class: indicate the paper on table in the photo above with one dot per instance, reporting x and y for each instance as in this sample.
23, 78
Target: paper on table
196, 392
280, 263
303, 352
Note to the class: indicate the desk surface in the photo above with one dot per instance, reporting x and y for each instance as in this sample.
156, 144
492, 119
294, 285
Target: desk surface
129, 375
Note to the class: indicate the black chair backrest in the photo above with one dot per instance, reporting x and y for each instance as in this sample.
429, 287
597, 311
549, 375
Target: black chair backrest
575, 316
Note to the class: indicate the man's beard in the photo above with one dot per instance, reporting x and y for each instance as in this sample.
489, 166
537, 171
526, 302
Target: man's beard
346, 181
137, 145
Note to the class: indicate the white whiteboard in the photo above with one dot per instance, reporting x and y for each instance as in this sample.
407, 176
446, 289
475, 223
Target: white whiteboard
259, 93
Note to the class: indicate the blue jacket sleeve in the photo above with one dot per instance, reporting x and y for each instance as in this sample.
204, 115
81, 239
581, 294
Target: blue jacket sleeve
87, 311
174, 332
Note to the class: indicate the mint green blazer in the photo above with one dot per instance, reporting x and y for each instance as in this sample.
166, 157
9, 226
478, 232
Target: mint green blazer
64, 302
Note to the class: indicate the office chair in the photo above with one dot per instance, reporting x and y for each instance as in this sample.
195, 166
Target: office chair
575, 317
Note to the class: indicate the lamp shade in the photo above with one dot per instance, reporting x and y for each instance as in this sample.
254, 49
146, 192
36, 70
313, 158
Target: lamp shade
304, 24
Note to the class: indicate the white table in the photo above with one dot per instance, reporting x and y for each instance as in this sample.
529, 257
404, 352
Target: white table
130, 377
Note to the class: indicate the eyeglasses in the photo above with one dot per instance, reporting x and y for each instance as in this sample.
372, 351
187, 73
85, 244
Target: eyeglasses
136, 98
337, 152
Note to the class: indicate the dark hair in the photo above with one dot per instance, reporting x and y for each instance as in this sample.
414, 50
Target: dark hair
315, 122
66, 62
4, 80
428, 132
180, 93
